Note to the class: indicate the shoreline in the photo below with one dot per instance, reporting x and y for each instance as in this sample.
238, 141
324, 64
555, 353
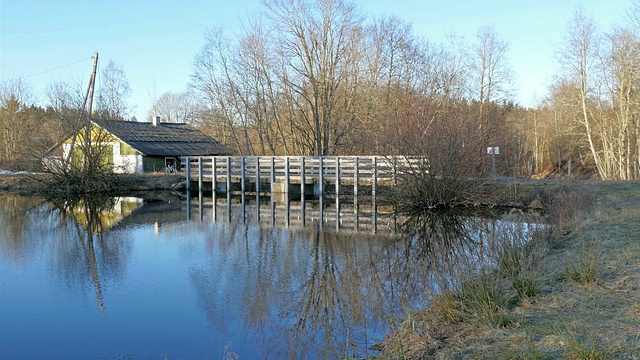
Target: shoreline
587, 305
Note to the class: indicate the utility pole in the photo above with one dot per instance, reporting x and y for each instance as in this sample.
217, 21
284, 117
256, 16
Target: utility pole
92, 83
87, 97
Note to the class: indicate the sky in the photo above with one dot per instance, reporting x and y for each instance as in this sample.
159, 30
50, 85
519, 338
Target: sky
155, 42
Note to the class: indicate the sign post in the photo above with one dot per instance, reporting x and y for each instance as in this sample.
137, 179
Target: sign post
493, 150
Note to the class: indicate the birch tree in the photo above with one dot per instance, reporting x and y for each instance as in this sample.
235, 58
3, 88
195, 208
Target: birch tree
623, 70
113, 93
578, 58
489, 66
174, 107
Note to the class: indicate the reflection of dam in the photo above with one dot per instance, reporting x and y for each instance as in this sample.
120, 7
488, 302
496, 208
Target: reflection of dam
338, 213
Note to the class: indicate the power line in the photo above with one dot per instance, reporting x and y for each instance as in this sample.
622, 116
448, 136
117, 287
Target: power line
57, 68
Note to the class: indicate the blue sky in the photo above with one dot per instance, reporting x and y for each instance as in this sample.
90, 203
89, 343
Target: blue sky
155, 41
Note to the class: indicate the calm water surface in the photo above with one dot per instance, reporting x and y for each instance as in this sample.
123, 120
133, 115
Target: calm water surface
176, 279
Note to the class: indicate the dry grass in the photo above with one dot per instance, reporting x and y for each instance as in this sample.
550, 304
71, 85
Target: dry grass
588, 301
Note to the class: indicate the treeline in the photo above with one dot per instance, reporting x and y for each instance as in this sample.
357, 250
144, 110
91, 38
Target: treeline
316, 77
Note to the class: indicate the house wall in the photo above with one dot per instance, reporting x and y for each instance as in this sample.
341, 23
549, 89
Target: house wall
126, 162
153, 163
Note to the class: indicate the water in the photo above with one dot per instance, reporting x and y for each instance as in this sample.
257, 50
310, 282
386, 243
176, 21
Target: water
128, 279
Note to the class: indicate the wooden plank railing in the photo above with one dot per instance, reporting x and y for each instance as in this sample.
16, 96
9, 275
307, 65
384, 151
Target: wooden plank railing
355, 170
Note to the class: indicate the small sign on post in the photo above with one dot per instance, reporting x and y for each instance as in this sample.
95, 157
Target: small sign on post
493, 151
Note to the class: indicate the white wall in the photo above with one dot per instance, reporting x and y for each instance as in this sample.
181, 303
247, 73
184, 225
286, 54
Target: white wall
123, 164
126, 164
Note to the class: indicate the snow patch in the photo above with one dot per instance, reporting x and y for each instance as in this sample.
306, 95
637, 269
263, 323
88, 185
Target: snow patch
7, 172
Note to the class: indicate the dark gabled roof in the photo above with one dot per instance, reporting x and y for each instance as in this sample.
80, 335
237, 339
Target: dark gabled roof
165, 139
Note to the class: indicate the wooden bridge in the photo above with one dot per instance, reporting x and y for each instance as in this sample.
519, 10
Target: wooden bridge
315, 175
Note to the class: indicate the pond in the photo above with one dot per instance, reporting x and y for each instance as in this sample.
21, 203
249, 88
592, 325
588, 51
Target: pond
179, 278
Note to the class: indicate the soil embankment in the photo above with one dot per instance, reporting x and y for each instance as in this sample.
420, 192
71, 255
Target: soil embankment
33, 184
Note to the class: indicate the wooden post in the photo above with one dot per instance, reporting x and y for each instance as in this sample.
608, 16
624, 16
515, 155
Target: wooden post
321, 177
228, 175
356, 165
337, 176
214, 172
273, 174
374, 177
493, 163
286, 175
243, 174
258, 180
188, 172
200, 171
302, 175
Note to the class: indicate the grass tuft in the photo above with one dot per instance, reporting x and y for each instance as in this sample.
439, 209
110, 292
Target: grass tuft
586, 348
518, 264
585, 270
485, 301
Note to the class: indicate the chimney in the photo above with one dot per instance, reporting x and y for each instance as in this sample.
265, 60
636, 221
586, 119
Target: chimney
156, 121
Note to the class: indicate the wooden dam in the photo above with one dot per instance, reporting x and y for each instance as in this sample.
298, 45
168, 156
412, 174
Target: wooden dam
303, 175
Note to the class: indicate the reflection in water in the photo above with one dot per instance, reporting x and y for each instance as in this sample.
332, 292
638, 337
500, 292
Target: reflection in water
349, 214
91, 251
16, 213
297, 293
297, 279
334, 292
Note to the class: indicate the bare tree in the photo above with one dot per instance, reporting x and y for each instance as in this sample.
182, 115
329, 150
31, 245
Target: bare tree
489, 66
315, 41
578, 58
16, 96
174, 108
65, 99
113, 93
214, 79
622, 66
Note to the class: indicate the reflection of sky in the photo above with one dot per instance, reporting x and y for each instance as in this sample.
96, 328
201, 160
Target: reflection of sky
186, 289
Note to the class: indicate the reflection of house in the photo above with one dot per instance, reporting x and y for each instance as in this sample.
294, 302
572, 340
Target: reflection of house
151, 146
107, 213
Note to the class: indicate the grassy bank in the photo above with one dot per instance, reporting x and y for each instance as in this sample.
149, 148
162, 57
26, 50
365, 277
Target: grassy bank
573, 293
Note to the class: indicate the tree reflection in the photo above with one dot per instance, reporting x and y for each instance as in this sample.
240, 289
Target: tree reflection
15, 215
448, 243
333, 294
86, 250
